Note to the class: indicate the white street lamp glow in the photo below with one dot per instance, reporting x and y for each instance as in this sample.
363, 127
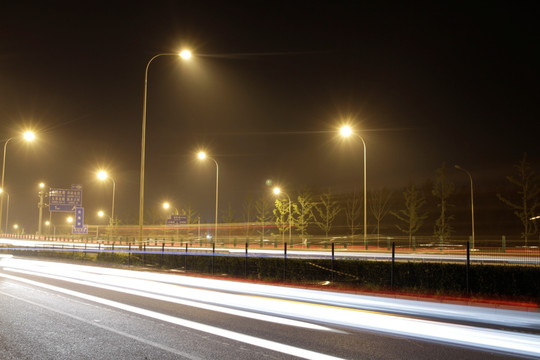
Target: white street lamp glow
345, 131
41, 185
166, 205
102, 175
69, 219
201, 155
29, 136
101, 213
185, 54
277, 190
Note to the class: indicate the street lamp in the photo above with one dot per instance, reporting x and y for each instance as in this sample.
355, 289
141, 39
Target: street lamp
102, 175
184, 54
7, 206
167, 206
472, 201
278, 191
27, 136
202, 156
40, 206
346, 131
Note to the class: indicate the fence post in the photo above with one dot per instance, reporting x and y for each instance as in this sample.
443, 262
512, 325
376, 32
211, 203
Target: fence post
468, 264
245, 263
332, 262
504, 243
213, 252
392, 268
413, 243
284, 261
162, 251
185, 258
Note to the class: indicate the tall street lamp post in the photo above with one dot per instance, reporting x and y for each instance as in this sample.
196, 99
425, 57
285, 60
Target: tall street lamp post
202, 156
472, 201
278, 191
346, 131
28, 136
102, 175
185, 54
7, 206
40, 206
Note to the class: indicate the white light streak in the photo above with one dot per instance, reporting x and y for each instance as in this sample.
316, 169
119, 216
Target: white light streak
309, 305
247, 339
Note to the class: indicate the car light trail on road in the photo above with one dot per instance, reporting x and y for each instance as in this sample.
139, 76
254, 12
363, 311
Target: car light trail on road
271, 345
318, 310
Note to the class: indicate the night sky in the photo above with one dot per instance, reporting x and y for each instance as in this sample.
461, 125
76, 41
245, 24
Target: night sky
264, 94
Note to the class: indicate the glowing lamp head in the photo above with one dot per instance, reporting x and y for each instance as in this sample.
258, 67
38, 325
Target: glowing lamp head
102, 175
1, 190
41, 185
29, 136
47, 223
277, 190
166, 205
101, 213
185, 54
345, 131
69, 219
201, 155
15, 226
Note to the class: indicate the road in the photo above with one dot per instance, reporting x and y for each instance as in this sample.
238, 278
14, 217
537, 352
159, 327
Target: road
55, 310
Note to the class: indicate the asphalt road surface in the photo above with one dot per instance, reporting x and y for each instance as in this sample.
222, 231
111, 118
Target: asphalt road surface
52, 310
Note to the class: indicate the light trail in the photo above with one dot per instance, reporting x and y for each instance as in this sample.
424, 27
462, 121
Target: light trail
231, 335
499, 317
308, 305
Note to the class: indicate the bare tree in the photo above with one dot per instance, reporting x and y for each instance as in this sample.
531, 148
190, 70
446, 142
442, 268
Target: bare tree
228, 217
526, 201
442, 190
281, 214
380, 207
304, 211
328, 210
411, 216
353, 212
191, 214
264, 215
248, 207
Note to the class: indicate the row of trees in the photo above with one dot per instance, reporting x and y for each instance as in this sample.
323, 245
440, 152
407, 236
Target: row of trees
320, 214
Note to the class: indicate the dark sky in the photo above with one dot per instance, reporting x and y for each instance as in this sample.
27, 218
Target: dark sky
425, 85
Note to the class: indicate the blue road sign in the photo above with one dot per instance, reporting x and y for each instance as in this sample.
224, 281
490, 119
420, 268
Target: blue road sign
65, 200
177, 220
79, 217
81, 230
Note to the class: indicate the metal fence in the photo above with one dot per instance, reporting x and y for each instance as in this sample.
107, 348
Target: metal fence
423, 249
